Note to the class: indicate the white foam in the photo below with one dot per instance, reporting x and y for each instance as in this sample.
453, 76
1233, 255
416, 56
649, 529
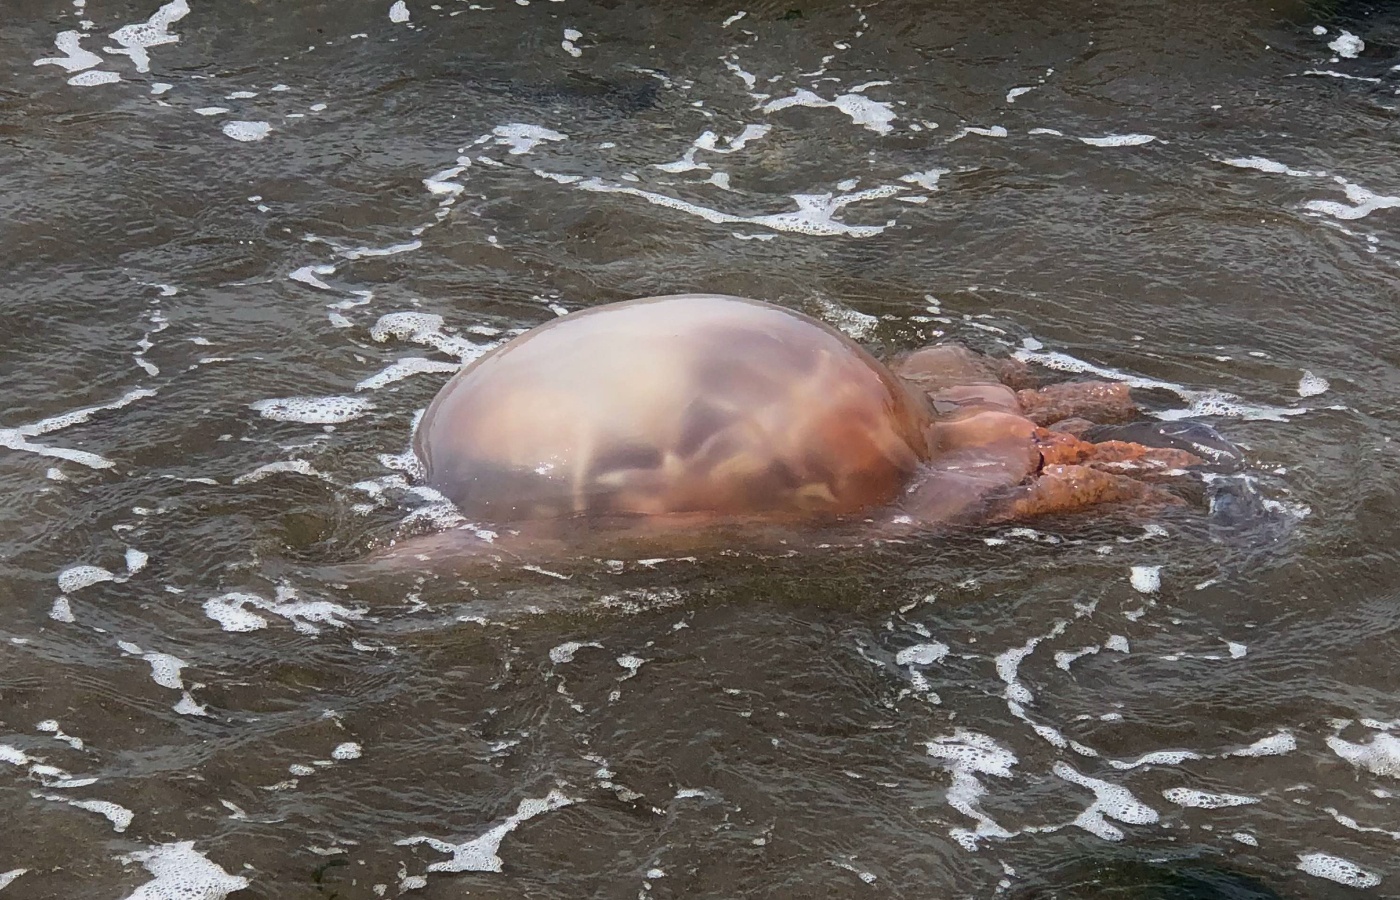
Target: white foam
62, 610
1334, 868
404, 368
1346, 45
1110, 802
165, 670
1199, 403
425, 329
927, 179
1119, 140
93, 78
1273, 745
480, 854
1363, 203
247, 131
398, 13
8, 878
346, 751
863, 111
234, 612
922, 654
74, 58
522, 138
50, 726
1264, 164
571, 35
1380, 756
815, 214
734, 18
1310, 385
134, 40
1157, 758
282, 466
18, 438
1008, 663
182, 873
119, 816
390, 250
211, 110
1333, 74
1204, 800
75, 578
967, 754
313, 410
564, 653
135, 560
1015, 92
1146, 579
996, 131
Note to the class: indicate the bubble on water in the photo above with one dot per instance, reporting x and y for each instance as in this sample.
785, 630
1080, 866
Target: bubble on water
1334, 868
62, 610
632, 664
921, 654
135, 560
165, 670
480, 854
1119, 140
425, 329
134, 40
74, 58
234, 611
1248, 840
570, 36
872, 114
1157, 758
313, 410
1346, 45
995, 131
1311, 385
1264, 164
75, 578
93, 78
967, 754
521, 138
398, 13
856, 324
815, 214
564, 653
346, 751
1146, 579
182, 873
1204, 800
927, 179
1381, 756
284, 466
1111, 801
119, 816
247, 131
1362, 202
405, 368
1273, 745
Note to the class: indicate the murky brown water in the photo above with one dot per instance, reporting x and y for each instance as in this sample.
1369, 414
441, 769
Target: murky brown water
1200, 193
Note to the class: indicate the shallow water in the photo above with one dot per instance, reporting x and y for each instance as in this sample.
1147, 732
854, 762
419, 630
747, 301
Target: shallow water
1202, 195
